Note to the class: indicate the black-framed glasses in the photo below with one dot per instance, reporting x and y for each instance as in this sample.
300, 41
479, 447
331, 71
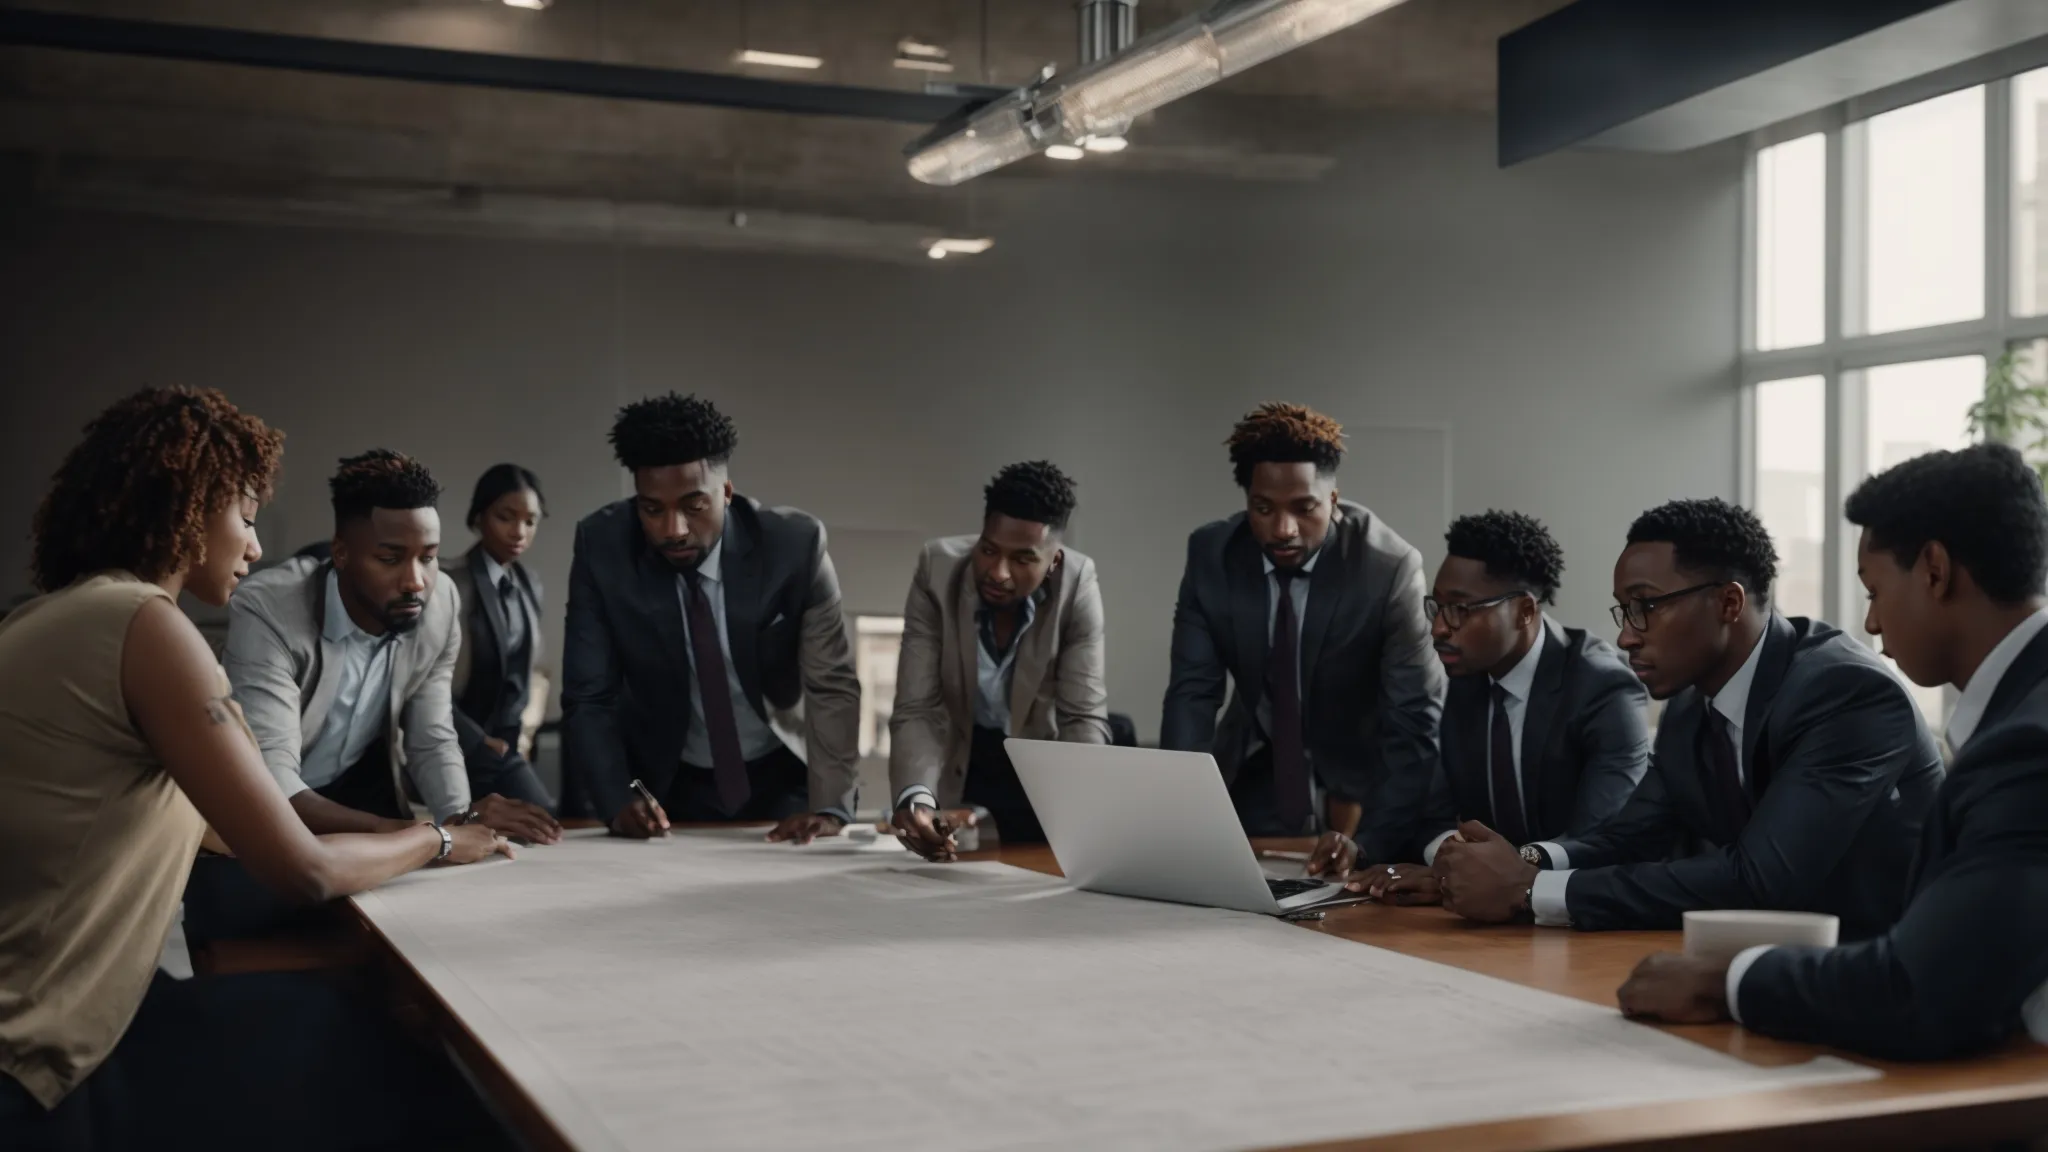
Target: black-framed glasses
1455, 615
1636, 613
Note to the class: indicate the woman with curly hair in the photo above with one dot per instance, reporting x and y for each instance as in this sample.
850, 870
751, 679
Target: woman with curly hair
119, 747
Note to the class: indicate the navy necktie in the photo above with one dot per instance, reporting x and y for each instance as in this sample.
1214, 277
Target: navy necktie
728, 762
1509, 818
1283, 689
1724, 775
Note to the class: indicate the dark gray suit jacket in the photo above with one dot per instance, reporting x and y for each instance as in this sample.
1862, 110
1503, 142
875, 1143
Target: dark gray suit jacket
1585, 741
481, 671
1841, 772
625, 661
1372, 687
1948, 978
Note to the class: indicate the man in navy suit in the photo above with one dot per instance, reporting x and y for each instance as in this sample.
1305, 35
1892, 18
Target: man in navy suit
696, 616
1954, 556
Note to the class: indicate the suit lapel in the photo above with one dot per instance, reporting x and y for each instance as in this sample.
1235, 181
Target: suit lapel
2027, 670
1327, 585
1539, 718
1248, 608
740, 568
662, 603
1469, 718
1770, 673
313, 715
966, 640
494, 611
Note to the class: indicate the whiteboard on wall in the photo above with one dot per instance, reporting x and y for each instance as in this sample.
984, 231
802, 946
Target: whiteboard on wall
1404, 475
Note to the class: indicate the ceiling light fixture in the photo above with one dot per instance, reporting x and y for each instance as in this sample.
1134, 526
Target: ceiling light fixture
917, 56
780, 59
529, 5
1065, 152
1105, 143
952, 245
1102, 98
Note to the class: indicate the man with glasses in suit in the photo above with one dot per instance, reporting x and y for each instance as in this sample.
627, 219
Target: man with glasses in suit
1545, 729
1791, 764
1954, 556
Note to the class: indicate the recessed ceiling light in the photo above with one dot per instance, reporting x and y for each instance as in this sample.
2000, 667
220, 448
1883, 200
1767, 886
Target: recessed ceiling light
923, 64
780, 59
1105, 143
1064, 152
530, 5
920, 49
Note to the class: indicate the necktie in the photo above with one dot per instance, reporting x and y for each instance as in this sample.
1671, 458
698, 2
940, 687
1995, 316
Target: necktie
728, 763
1283, 689
1508, 815
1724, 781
515, 621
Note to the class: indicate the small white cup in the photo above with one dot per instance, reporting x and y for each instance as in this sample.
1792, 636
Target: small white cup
1720, 935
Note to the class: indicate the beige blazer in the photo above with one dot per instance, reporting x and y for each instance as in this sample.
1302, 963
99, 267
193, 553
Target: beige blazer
277, 657
1056, 687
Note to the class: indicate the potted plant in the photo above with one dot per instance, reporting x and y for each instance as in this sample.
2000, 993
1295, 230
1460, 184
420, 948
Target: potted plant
2014, 410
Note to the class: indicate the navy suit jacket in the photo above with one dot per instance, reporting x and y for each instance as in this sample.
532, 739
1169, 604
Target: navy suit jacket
1585, 741
1841, 772
1950, 976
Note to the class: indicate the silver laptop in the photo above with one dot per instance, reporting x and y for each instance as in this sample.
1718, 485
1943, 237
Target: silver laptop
1158, 825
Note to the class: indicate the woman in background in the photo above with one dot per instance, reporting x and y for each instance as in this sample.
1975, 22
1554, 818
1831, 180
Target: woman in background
119, 747
501, 639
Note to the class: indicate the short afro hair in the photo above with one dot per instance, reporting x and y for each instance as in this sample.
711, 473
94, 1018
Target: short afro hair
1983, 503
672, 429
1035, 490
380, 478
135, 493
1716, 539
1513, 547
1276, 433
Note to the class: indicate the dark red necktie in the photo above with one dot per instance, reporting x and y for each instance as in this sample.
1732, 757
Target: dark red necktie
1283, 689
728, 762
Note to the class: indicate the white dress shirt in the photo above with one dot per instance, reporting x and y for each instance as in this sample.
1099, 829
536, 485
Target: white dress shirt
361, 710
1962, 725
757, 739
993, 676
1517, 684
1547, 895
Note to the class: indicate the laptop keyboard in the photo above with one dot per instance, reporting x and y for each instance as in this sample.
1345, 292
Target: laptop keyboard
1282, 889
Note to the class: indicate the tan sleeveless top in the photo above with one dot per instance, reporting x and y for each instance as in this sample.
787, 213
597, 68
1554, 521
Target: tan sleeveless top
96, 840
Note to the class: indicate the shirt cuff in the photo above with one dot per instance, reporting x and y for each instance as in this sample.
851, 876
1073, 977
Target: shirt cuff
1737, 969
1560, 860
1429, 852
1546, 899
918, 793
839, 814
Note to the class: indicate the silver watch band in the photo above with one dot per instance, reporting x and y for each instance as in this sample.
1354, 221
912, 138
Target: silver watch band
447, 841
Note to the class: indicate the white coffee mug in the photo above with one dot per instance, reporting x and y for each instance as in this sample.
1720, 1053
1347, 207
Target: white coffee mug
1720, 935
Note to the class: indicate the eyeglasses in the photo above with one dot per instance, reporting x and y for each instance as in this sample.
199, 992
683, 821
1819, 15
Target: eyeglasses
1455, 615
1636, 613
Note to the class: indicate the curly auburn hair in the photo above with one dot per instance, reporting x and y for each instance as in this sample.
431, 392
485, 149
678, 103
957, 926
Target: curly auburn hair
1275, 433
136, 492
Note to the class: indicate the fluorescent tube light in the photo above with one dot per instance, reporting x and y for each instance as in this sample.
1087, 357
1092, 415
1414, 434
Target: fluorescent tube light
780, 59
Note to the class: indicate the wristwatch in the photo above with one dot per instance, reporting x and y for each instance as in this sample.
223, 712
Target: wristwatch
447, 842
1534, 856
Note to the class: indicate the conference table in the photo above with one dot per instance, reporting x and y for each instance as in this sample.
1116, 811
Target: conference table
2000, 1096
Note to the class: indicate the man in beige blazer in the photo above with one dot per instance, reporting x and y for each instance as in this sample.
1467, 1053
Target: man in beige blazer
1002, 636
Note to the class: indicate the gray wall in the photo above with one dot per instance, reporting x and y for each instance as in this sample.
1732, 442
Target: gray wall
1570, 325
